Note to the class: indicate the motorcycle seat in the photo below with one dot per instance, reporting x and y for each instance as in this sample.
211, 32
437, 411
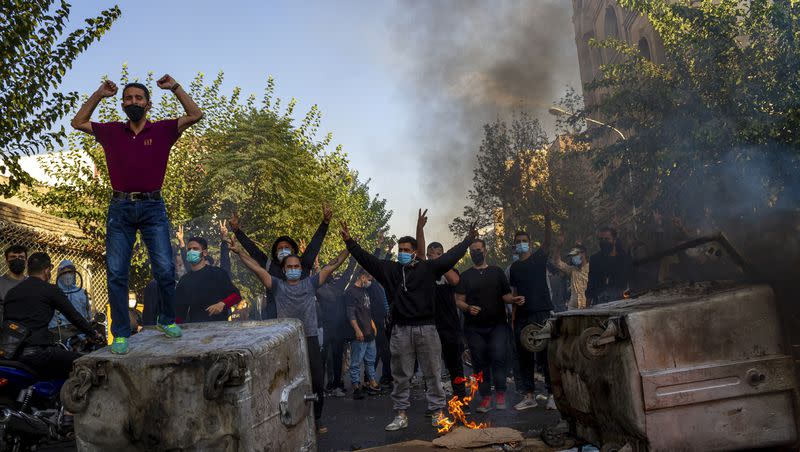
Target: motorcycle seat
18, 365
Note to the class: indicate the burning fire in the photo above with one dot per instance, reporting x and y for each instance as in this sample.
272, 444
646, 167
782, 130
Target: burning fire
454, 406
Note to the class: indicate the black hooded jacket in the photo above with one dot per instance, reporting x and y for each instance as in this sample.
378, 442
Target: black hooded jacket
410, 289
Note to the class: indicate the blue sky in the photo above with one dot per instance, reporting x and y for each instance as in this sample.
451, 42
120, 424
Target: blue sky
340, 55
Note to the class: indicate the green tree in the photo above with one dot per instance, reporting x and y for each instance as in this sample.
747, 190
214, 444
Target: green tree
240, 157
33, 60
509, 183
715, 130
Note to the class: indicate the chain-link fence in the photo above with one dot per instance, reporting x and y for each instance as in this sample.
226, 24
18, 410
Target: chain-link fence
89, 260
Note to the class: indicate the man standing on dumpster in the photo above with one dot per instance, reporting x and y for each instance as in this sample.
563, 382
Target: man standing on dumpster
136, 153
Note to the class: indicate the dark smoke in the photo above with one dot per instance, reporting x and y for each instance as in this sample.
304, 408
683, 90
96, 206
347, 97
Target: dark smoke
471, 62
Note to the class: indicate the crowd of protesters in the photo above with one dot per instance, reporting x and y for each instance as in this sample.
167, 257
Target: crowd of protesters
381, 322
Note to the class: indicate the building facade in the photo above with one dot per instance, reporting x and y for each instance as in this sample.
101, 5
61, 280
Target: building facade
601, 19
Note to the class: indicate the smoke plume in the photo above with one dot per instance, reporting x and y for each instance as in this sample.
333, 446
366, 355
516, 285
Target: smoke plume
469, 63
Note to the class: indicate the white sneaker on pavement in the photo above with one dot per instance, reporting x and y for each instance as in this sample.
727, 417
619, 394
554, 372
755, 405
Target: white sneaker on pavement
526, 403
399, 422
551, 404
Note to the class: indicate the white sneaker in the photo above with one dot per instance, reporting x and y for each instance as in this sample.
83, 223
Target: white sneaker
526, 403
551, 404
398, 423
542, 397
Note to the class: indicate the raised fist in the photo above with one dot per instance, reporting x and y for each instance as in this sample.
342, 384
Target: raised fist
166, 82
107, 89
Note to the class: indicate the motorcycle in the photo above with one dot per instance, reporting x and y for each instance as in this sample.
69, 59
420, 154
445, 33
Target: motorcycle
31, 412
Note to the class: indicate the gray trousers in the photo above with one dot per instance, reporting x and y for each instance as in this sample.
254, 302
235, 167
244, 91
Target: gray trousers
420, 343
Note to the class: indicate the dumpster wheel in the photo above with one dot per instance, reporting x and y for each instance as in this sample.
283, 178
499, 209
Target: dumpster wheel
529, 340
587, 343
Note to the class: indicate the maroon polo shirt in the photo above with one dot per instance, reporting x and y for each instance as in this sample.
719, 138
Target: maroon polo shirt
136, 163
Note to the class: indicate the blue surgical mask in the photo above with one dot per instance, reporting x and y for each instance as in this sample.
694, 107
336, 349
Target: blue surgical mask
193, 256
404, 258
523, 247
576, 260
283, 252
514, 257
293, 274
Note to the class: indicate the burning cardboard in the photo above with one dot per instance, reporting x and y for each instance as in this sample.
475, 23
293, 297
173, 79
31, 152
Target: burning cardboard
462, 437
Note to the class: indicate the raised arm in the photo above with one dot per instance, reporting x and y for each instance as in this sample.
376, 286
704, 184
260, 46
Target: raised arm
330, 268
252, 249
422, 220
224, 249
83, 118
548, 228
315, 245
370, 263
252, 264
348, 273
193, 112
448, 260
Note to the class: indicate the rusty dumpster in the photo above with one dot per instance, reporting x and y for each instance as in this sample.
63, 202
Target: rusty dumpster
691, 367
223, 386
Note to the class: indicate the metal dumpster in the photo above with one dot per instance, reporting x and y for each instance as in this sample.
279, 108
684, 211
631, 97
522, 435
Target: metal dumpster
688, 366
223, 386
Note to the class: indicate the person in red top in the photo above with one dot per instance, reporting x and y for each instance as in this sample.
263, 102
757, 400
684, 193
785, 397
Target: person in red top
136, 153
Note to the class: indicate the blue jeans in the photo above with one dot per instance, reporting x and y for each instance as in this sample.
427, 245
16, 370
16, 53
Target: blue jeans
124, 219
360, 352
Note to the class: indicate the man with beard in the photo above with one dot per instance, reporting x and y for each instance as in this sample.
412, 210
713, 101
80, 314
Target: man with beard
410, 286
15, 255
136, 153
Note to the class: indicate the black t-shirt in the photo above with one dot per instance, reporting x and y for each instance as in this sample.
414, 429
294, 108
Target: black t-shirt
529, 277
485, 288
358, 308
200, 289
447, 320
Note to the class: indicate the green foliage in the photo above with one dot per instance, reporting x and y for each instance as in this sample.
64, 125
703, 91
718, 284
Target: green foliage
716, 128
241, 157
33, 61
518, 173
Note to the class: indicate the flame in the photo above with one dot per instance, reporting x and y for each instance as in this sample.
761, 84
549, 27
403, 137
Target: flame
455, 406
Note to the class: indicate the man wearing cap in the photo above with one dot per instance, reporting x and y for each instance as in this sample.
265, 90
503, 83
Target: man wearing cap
577, 267
136, 153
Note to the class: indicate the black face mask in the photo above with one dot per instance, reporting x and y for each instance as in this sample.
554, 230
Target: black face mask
134, 112
606, 247
477, 256
17, 266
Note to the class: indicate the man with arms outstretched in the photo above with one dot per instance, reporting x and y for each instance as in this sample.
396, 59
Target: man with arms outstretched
137, 152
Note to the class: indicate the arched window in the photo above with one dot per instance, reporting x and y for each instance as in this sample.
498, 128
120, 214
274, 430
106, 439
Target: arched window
610, 26
644, 48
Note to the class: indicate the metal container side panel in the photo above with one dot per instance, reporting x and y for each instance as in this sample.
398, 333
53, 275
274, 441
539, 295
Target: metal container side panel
261, 428
731, 325
152, 399
730, 424
603, 395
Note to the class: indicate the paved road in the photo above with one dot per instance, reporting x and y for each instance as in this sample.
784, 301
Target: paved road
357, 424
